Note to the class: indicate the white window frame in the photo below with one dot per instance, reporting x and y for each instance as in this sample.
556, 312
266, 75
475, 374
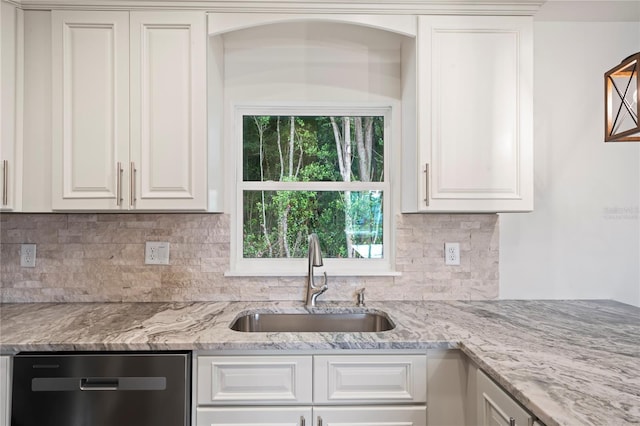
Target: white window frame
241, 266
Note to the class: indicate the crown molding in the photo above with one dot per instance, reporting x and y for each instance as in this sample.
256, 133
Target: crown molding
393, 7
590, 11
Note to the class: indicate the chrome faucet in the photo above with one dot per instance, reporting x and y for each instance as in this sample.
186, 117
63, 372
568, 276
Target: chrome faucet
315, 259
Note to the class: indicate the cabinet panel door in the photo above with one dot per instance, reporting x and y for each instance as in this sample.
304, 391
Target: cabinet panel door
168, 106
370, 416
11, 85
496, 407
254, 416
475, 127
90, 92
370, 379
254, 380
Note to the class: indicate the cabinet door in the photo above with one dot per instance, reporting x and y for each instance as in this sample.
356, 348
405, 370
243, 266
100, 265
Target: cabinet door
11, 71
370, 416
254, 416
5, 390
496, 407
168, 110
90, 121
369, 379
254, 380
475, 118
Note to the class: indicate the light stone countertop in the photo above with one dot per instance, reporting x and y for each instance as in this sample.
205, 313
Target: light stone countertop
568, 362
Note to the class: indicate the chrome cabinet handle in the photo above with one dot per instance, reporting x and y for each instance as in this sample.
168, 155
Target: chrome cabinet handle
319, 421
512, 421
303, 422
119, 184
132, 180
5, 184
426, 172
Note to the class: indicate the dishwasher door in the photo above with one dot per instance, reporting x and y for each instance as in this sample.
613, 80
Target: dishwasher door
101, 389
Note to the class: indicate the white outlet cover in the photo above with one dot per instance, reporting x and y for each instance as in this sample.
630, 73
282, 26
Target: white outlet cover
452, 254
28, 255
156, 253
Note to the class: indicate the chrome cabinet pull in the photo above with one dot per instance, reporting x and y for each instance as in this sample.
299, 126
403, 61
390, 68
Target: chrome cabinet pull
132, 189
119, 184
303, 422
5, 184
512, 421
426, 172
319, 421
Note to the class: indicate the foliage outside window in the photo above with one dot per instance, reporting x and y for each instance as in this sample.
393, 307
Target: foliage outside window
322, 173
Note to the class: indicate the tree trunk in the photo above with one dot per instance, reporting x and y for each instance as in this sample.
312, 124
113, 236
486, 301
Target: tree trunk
261, 128
364, 145
279, 139
343, 147
284, 228
292, 130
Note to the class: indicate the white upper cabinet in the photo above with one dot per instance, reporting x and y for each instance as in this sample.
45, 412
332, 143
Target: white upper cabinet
474, 115
11, 84
90, 122
121, 147
169, 110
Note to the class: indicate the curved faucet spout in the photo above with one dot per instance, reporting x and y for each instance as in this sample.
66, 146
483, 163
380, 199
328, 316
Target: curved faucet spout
314, 259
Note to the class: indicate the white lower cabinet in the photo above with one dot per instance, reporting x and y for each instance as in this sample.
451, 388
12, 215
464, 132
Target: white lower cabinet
312, 390
316, 416
254, 416
370, 416
497, 408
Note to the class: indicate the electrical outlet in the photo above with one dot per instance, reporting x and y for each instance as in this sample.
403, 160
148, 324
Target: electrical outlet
156, 253
451, 253
28, 255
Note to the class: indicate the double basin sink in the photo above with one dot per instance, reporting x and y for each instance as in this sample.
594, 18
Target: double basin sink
333, 322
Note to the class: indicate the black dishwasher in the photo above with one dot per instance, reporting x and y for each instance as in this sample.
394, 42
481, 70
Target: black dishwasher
101, 389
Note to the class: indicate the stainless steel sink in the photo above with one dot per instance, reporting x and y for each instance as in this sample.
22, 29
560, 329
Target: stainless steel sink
368, 322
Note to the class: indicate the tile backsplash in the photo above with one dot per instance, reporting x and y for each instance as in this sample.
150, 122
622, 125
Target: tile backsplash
100, 257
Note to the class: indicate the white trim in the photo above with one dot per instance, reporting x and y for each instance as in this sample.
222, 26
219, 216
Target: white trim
312, 186
385, 7
241, 266
220, 23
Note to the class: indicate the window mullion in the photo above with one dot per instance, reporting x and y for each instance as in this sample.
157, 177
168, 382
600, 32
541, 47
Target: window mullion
312, 186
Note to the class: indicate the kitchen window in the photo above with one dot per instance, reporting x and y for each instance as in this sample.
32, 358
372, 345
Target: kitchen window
302, 170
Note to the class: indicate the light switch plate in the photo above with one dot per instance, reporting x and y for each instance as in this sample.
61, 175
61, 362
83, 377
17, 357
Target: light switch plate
156, 253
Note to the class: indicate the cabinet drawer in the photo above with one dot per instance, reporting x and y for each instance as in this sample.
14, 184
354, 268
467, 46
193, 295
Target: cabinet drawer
253, 416
496, 407
371, 416
370, 379
228, 380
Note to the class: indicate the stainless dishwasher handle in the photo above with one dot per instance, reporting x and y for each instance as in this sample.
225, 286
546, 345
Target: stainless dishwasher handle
99, 384
5, 184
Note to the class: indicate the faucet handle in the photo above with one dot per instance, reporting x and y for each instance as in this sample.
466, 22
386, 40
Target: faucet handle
360, 294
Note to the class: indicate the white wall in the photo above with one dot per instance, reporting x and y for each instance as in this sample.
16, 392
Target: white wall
583, 238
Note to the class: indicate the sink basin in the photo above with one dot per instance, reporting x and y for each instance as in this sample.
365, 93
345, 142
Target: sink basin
368, 322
